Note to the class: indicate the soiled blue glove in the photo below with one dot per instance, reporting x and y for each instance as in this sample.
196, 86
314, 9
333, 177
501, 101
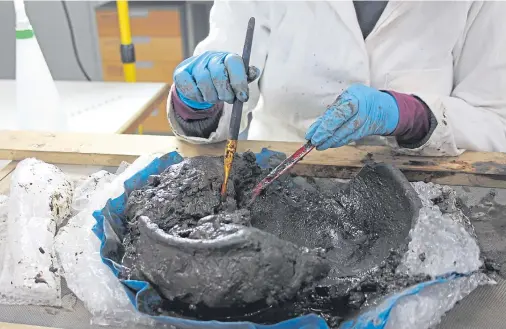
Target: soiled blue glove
358, 112
204, 80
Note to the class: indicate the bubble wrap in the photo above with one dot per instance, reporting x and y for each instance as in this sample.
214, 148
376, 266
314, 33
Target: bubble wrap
86, 187
3, 218
40, 198
442, 241
425, 309
78, 250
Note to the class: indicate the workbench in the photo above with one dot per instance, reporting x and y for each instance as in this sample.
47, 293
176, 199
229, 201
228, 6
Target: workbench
95, 107
472, 175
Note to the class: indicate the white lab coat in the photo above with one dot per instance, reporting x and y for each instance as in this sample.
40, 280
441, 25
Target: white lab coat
450, 54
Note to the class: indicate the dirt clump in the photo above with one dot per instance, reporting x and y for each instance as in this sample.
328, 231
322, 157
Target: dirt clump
300, 248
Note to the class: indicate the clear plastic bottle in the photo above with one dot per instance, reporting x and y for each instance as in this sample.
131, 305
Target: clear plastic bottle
38, 105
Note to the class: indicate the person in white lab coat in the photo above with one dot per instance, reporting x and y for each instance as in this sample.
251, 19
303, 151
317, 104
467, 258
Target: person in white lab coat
427, 77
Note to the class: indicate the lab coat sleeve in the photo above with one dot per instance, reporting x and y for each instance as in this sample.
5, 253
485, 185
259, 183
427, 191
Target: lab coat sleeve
228, 23
473, 117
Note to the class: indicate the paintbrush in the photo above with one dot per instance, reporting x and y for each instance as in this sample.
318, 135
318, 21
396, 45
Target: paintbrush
235, 121
282, 168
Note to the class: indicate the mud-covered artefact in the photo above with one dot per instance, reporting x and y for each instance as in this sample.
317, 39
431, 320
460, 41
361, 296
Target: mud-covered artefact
301, 246
225, 265
217, 261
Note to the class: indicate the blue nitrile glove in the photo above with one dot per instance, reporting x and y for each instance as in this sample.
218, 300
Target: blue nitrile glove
358, 112
204, 80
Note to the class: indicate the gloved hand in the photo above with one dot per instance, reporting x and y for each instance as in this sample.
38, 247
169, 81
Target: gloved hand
204, 80
358, 112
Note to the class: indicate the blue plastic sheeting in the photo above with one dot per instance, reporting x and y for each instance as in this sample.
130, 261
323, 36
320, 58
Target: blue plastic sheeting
111, 229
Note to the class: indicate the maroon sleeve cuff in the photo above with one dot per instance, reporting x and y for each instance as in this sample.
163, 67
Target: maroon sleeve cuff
188, 113
414, 118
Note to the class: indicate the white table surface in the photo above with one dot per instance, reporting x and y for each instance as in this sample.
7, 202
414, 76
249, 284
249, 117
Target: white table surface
94, 107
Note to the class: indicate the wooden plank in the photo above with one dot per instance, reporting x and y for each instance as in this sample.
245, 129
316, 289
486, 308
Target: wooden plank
443, 178
5, 177
5, 185
4, 325
473, 168
5, 171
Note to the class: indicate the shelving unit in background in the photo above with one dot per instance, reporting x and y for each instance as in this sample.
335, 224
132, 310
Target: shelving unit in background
163, 34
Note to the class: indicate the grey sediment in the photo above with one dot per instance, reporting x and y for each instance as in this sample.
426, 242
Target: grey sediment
304, 246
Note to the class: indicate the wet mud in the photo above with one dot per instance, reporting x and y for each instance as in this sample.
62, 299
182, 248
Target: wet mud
304, 246
487, 216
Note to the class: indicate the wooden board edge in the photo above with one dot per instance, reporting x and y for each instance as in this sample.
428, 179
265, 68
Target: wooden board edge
5, 177
6, 325
131, 125
471, 168
74, 158
441, 178
8, 169
325, 171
